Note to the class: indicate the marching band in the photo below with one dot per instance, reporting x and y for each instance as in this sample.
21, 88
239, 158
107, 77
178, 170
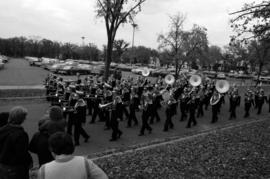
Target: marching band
115, 98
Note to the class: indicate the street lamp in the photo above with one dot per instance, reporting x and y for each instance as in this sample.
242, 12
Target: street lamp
83, 40
134, 28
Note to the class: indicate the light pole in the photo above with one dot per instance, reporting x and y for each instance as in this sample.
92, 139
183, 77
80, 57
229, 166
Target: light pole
83, 40
134, 28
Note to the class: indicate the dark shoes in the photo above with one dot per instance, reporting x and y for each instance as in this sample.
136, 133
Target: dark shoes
86, 139
119, 134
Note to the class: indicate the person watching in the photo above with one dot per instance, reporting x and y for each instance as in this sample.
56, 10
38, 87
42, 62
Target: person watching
66, 165
15, 160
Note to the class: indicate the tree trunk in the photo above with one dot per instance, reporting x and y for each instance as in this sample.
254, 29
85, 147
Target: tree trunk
176, 68
259, 73
108, 59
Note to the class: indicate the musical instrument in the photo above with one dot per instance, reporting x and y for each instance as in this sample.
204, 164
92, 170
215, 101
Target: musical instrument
215, 99
169, 79
145, 72
222, 86
105, 105
195, 80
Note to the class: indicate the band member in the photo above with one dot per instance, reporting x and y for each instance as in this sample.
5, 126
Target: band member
133, 106
116, 105
260, 100
89, 101
248, 103
156, 105
126, 101
192, 110
80, 113
234, 101
97, 111
106, 113
183, 104
256, 94
214, 102
208, 94
146, 102
169, 113
200, 99
71, 116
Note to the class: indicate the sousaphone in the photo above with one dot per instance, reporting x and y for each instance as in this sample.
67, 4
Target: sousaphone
169, 79
222, 86
145, 72
195, 80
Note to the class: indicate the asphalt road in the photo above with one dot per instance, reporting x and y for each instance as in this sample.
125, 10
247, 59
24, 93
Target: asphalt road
18, 72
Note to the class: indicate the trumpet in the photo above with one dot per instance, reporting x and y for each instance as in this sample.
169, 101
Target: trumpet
102, 106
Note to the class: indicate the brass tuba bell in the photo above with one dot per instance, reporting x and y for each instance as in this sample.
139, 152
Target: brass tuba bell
145, 72
222, 86
169, 79
195, 80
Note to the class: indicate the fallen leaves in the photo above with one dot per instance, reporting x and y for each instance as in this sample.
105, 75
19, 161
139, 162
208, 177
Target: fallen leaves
241, 152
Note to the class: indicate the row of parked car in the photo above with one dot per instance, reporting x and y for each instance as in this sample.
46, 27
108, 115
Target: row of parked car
3, 59
70, 66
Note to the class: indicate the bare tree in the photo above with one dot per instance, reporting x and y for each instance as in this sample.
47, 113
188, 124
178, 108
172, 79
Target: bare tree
183, 45
173, 39
252, 23
115, 13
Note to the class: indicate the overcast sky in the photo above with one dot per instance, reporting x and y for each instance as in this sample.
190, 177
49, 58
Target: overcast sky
69, 20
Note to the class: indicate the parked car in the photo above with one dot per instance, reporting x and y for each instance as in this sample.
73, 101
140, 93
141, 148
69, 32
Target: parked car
263, 79
47, 62
2, 64
221, 76
4, 58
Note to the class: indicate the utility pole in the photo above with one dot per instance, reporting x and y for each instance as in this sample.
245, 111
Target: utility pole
134, 28
83, 40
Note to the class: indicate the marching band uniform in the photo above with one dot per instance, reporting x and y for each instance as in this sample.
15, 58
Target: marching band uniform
133, 106
183, 105
192, 110
116, 105
215, 100
80, 114
235, 101
248, 103
257, 92
260, 101
106, 112
156, 104
126, 101
71, 117
97, 111
200, 100
169, 114
145, 115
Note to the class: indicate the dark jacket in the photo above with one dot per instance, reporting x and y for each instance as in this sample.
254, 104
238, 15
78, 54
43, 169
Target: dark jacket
54, 126
14, 150
40, 146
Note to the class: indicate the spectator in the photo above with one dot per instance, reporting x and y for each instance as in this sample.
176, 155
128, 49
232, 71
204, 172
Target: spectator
39, 143
15, 161
56, 121
65, 164
3, 118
